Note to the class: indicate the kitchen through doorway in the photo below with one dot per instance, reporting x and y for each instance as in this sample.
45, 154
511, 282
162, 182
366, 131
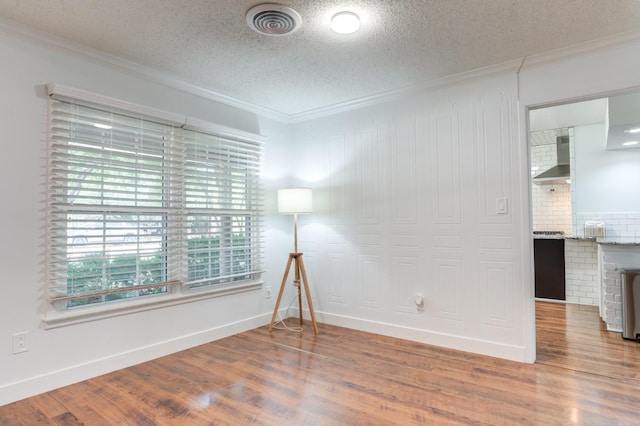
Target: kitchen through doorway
571, 147
565, 267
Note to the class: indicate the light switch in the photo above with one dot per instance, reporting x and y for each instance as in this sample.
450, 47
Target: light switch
501, 206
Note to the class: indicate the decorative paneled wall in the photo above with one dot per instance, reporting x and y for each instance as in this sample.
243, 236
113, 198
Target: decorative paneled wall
417, 199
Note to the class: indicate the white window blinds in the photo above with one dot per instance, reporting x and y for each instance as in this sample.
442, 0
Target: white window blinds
139, 205
223, 205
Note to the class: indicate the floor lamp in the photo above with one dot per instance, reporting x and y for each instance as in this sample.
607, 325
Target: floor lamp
295, 201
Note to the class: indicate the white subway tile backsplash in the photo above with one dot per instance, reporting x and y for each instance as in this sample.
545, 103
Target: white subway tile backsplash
551, 203
625, 225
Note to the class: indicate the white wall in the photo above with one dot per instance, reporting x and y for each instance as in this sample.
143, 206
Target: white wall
605, 185
67, 354
405, 199
606, 180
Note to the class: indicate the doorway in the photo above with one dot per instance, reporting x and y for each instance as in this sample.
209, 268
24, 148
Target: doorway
583, 207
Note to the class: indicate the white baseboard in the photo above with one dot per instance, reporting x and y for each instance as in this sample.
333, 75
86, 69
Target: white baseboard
43, 383
466, 344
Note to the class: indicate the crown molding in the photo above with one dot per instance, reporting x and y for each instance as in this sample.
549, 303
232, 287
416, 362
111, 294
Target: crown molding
516, 65
41, 38
580, 49
387, 96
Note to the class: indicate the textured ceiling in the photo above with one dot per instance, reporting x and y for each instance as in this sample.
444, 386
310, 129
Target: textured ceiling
207, 43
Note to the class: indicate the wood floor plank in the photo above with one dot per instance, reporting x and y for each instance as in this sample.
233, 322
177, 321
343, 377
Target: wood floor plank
584, 375
574, 337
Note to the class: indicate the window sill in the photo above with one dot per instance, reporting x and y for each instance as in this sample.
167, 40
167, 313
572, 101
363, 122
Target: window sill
57, 319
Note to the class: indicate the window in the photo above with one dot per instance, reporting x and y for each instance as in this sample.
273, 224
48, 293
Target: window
142, 205
221, 180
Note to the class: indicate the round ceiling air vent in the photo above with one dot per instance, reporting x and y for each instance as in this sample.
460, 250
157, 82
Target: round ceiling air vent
273, 19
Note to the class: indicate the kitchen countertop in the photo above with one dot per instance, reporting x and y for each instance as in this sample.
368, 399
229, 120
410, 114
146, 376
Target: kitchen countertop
619, 241
605, 240
551, 236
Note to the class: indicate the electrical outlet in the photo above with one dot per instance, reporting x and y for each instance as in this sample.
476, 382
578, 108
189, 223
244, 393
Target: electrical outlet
267, 292
419, 300
20, 343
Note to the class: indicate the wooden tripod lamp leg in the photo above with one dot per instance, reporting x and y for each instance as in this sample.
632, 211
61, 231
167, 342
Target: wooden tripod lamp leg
303, 272
296, 282
284, 282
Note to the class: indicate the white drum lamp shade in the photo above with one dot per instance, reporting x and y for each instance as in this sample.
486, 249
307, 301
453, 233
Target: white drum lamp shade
295, 200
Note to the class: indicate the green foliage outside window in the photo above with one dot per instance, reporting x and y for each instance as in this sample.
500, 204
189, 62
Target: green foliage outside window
94, 272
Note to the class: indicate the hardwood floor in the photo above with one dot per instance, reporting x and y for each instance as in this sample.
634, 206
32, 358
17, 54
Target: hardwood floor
584, 376
574, 337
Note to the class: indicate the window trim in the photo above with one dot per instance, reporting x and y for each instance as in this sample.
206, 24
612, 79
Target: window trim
60, 315
57, 318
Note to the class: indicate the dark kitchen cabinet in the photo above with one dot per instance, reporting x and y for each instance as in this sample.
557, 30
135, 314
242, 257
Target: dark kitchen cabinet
548, 257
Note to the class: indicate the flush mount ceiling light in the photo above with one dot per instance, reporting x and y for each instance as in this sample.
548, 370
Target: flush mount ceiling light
633, 130
345, 22
630, 143
273, 19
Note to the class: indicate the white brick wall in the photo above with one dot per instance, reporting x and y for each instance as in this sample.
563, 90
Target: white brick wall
581, 270
615, 258
551, 203
611, 309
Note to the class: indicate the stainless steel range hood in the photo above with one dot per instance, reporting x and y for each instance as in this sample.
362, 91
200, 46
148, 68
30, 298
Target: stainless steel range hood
561, 171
